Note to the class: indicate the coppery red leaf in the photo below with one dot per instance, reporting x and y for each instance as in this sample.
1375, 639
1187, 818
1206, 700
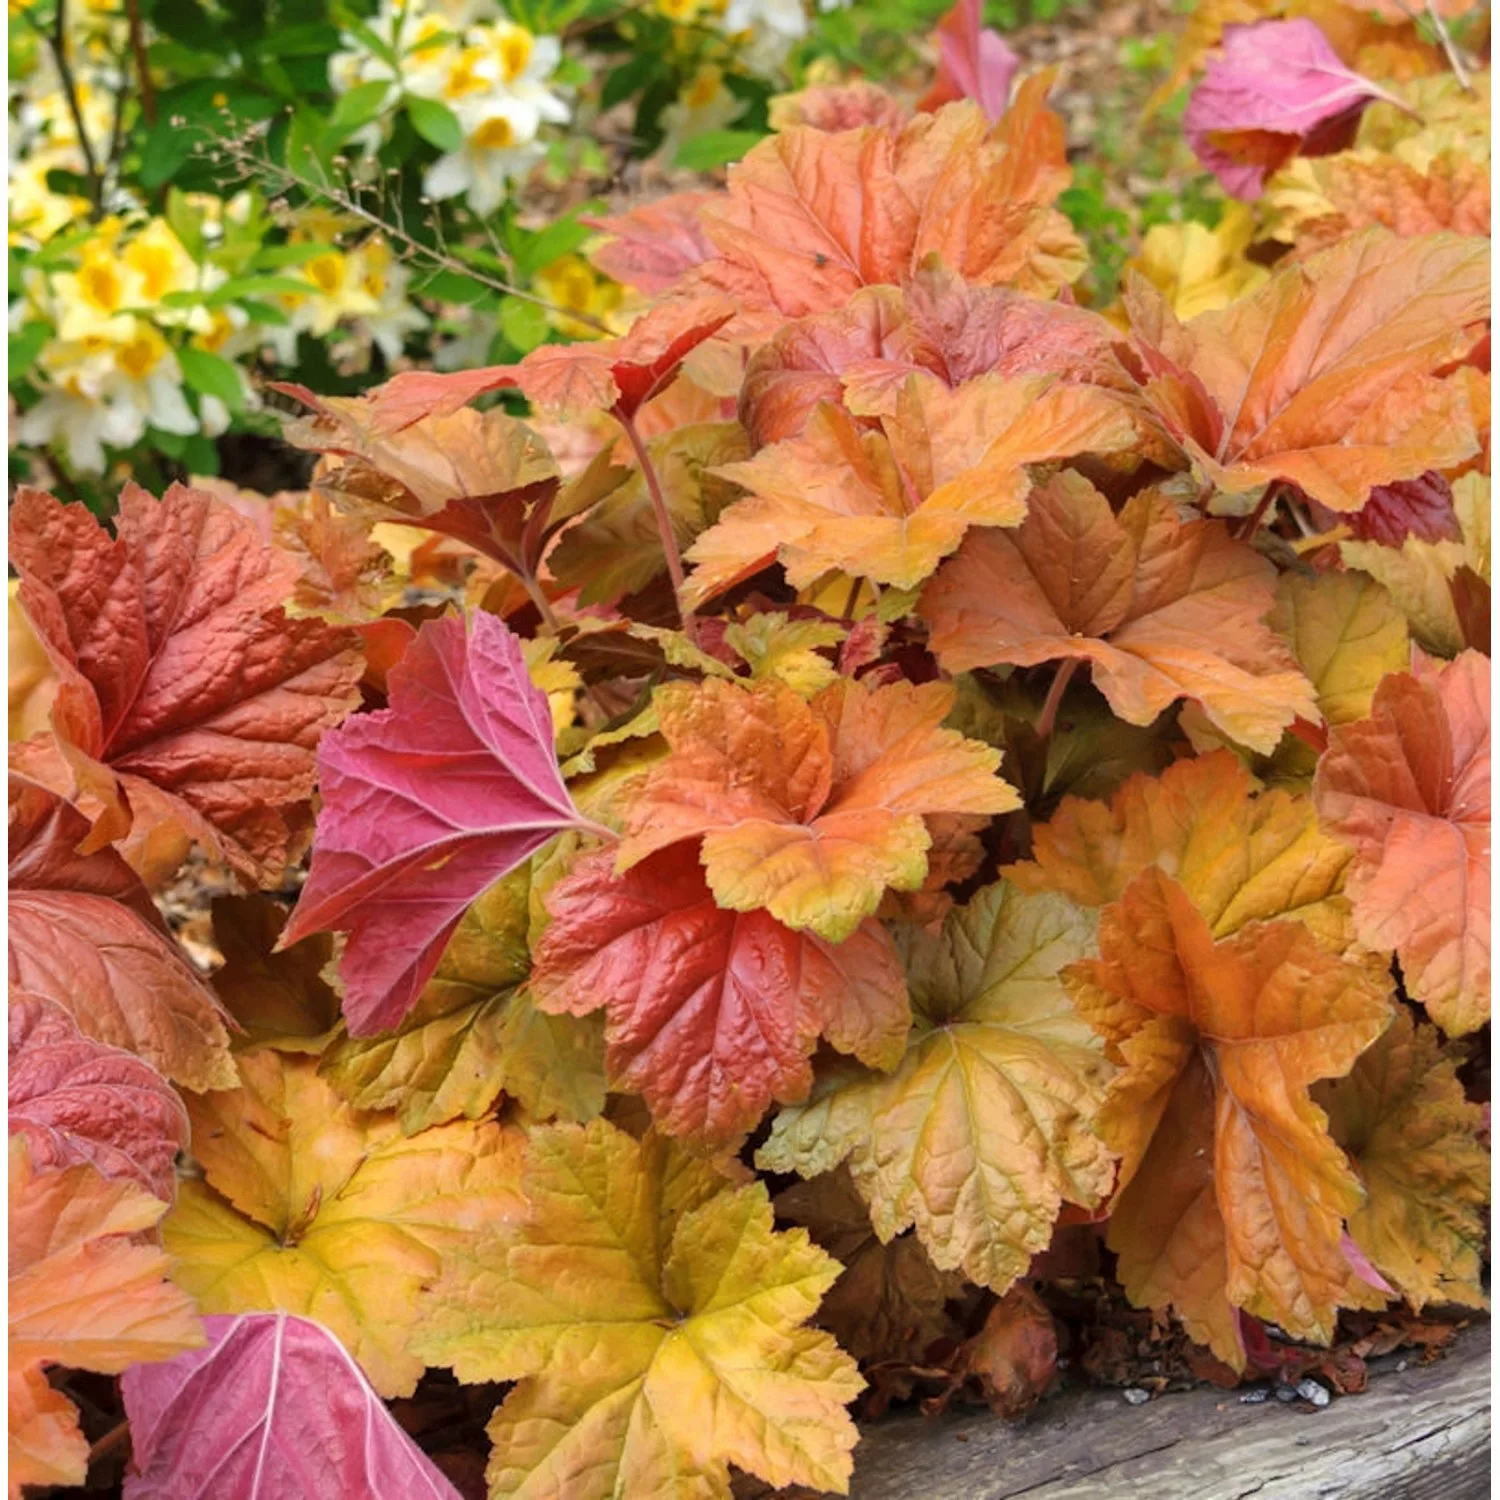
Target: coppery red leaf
75, 1099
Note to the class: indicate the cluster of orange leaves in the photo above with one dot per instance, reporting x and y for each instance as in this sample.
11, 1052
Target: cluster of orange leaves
1020, 765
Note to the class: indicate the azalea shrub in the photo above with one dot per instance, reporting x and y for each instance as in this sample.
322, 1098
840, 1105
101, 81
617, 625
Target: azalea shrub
873, 827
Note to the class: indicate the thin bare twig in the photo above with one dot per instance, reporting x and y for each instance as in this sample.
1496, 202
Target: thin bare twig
57, 44
1455, 62
1445, 40
142, 66
260, 166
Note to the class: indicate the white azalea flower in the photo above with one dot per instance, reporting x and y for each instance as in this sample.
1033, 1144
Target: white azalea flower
106, 392
499, 146
704, 105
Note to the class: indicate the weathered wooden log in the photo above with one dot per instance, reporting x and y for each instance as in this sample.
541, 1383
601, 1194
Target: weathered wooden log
1418, 1433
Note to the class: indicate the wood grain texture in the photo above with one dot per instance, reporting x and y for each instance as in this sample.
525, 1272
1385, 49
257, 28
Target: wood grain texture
1422, 1433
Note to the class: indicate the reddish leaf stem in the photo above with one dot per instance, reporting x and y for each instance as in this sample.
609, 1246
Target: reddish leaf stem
1055, 696
663, 521
538, 598
1256, 516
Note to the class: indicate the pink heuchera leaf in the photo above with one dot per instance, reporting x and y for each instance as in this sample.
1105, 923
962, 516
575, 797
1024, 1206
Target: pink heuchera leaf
271, 1409
1276, 89
652, 245
974, 62
76, 1099
426, 804
85, 934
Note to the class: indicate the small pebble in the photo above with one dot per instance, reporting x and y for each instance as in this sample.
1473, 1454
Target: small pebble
1311, 1390
1400, 1366
1286, 1393
1256, 1396
1136, 1396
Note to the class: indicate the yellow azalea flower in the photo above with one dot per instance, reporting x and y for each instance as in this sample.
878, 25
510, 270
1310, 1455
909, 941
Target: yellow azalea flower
466, 71
336, 293
160, 263
706, 104
36, 212
89, 299
572, 283
514, 46
1201, 269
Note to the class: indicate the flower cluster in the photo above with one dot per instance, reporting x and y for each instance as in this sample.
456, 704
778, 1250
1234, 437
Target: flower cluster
111, 371
490, 75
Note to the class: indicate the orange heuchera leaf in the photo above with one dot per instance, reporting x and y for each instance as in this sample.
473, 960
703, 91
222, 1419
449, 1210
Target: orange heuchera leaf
654, 1318
861, 355
85, 1291
1241, 856
1323, 377
812, 216
181, 674
481, 477
809, 810
621, 375
1325, 200
426, 804
310, 1207
85, 934
47, 1445
985, 1128
1231, 1192
1409, 789
616, 375
1161, 609
889, 504
712, 1014
1414, 1139
837, 106
75, 1099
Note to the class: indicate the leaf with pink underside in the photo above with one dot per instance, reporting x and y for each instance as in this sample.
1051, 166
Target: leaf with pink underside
272, 1409
425, 805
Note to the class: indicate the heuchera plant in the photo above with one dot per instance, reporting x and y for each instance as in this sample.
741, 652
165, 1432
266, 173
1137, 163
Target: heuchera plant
886, 788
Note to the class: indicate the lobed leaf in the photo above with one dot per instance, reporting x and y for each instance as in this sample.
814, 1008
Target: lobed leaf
653, 1317
711, 1014
808, 810
1160, 609
184, 686
400, 853
85, 935
310, 1208
1408, 788
1231, 1193
986, 1126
